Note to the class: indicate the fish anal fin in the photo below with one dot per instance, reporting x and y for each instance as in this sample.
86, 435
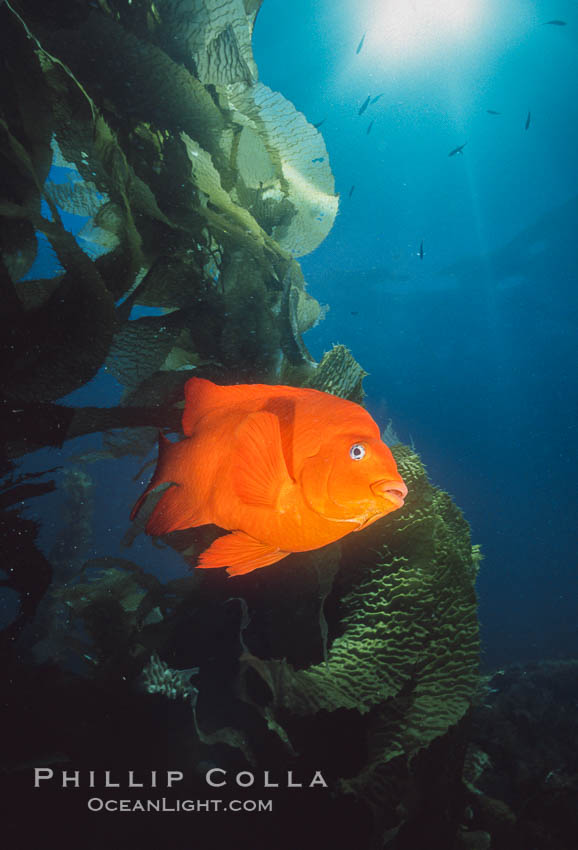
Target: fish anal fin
260, 473
240, 553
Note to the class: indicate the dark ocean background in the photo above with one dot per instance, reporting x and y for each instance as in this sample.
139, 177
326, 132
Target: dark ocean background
472, 351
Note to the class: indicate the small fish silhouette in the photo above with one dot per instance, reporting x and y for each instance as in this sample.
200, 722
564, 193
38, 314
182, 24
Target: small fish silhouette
492, 112
528, 119
420, 252
459, 149
319, 123
376, 98
351, 191
360, 45
369, 128
364, 105
554, 24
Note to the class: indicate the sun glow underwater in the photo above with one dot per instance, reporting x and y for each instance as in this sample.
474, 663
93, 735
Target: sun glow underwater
410, 31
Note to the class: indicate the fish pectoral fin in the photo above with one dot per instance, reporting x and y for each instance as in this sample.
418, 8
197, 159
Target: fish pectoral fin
260, 473
239, 553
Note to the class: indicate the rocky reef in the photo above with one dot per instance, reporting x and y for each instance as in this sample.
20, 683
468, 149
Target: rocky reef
174, 193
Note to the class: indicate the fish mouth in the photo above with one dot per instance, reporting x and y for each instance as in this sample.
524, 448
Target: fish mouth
393, 491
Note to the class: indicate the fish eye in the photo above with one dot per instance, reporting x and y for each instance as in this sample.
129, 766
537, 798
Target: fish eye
357, 451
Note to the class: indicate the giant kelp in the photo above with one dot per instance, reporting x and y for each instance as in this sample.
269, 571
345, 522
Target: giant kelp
197, 181
200, 188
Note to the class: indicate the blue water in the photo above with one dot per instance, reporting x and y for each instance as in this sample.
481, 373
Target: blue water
472, 350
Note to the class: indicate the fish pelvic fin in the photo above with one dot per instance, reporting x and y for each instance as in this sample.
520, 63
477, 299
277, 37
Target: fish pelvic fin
240, 553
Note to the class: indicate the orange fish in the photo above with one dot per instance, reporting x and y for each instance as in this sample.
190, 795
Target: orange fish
285, 469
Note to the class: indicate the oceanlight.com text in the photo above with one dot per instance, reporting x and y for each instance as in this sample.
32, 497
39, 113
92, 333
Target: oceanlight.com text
99, 804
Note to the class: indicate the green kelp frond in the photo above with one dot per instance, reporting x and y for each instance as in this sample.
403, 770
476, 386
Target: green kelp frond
407, 651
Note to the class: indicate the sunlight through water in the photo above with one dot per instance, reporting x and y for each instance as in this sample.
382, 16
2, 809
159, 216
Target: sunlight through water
408, 31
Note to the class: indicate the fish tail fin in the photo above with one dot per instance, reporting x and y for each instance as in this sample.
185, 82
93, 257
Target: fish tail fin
138, 505
173, 512
158, 475
176, 509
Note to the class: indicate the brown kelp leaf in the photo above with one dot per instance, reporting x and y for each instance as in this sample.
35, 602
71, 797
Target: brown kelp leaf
20, 190
26, 106
141, 82
206, 178
249, 339
213, 37
87, 141
141, 346
303, 174
18, 246
48, 350
161, 390
77, 198
96, 241
24, 141
340, 374
35, 293
299, 311
172, 281
258, 181
56, 348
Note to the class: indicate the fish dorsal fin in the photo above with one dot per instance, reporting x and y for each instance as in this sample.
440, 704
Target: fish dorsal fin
259, 471
240, 553
202, 395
